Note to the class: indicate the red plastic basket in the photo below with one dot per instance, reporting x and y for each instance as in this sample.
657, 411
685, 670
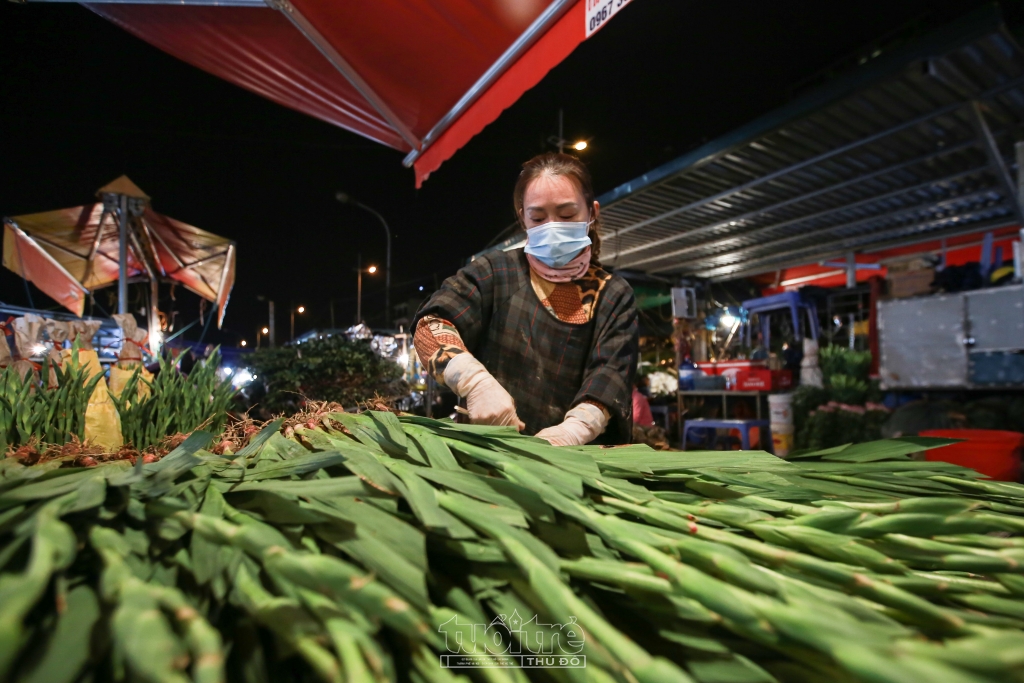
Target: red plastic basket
991, 452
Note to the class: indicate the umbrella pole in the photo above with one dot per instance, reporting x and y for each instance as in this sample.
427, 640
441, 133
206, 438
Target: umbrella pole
122, 281
154, 317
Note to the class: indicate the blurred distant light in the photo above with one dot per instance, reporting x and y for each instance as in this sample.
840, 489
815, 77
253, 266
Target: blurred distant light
580, 146
266, 330
243, 342
38, 349
301, 309
371, 270
241, 378
403, 359
728, 320
421, 288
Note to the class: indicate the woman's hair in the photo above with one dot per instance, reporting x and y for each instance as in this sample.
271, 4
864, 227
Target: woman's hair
551, 163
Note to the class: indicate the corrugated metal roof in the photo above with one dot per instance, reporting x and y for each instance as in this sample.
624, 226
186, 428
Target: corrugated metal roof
915, 144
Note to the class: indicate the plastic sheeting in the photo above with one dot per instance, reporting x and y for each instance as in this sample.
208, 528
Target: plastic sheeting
417, 58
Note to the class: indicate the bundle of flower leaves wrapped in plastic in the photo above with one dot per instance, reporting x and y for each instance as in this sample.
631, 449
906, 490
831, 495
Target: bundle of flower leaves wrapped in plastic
377, 547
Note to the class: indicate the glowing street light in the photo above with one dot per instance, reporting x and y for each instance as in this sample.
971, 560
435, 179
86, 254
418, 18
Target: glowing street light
243, 343
580, 146
300, 309
265, 330
359, 291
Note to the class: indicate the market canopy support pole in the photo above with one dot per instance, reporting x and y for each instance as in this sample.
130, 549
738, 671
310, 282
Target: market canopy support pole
154, 316
122, 259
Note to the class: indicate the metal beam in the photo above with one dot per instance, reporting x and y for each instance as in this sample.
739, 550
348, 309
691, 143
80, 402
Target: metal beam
836, 248
714, 227
995, 159
930, 204
890, 244
325, 48
530, 36
948, 109
799, 219
205, 259
942, 111
852, 241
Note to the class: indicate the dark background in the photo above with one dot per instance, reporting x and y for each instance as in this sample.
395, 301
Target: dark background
82, 102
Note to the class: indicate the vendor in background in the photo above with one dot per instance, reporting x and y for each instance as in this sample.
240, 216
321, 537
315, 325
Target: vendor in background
540, 338
641, 406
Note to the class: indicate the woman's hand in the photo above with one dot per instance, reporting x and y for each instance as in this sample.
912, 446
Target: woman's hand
582, 424
486, 400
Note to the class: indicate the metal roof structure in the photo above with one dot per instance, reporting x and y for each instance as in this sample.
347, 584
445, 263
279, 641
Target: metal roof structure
914, 145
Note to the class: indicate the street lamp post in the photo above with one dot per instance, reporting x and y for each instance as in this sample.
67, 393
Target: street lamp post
359, 290
346, 198
300, 310
561, 143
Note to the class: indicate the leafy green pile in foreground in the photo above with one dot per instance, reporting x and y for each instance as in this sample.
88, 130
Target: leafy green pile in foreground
364, 549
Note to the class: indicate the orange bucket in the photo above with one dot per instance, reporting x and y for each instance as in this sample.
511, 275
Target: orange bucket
989, 451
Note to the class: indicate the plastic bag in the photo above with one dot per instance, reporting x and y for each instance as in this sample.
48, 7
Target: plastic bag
102, 421
121, 373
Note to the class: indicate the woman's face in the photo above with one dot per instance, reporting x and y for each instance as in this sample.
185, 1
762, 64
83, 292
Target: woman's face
555, 198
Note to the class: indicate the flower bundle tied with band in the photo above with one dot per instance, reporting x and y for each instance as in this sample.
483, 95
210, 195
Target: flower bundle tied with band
129, 359
102, 422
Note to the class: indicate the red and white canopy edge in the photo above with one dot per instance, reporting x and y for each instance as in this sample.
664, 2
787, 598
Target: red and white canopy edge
421, 76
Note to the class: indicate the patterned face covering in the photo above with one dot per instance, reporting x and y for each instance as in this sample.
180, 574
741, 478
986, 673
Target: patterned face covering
557, 243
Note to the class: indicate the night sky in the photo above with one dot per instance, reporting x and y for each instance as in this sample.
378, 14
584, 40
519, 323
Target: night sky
83, 102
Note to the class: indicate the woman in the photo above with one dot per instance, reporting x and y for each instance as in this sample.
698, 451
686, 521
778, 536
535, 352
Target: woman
540, 338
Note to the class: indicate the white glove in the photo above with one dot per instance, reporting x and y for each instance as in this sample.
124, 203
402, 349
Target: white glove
582, 424
487, 401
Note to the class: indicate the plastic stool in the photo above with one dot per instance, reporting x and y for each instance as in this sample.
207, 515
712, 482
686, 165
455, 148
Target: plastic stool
743, 426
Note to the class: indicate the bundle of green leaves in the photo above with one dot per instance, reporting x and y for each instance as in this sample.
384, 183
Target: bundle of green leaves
382, 548
177, 403
334, 369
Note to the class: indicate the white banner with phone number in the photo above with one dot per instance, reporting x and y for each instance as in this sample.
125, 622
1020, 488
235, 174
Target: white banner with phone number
600, 11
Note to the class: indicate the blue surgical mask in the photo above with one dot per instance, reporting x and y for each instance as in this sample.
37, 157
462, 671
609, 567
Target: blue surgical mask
555, 244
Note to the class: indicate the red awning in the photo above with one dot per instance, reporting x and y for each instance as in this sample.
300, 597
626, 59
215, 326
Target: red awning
422, 76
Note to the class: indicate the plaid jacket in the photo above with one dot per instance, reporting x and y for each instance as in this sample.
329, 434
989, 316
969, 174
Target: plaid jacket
548, 366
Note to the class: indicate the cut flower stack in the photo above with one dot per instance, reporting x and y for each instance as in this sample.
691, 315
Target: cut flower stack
348, 547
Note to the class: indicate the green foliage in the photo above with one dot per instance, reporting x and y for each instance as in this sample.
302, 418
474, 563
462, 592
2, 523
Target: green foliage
806, 399
177, 404
836, 424
30, 411
847, 389
333, 369
363, 555
838, 360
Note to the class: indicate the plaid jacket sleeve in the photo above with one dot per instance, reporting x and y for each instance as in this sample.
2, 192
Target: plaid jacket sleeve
466, 299
608, 378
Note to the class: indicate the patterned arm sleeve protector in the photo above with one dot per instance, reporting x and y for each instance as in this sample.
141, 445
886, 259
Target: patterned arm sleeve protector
437, 341
454, 317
